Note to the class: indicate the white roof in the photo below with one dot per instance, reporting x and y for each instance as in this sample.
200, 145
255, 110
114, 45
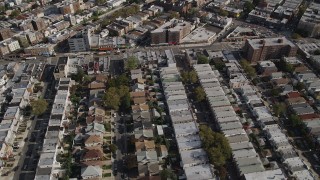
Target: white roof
200, 172
276, 174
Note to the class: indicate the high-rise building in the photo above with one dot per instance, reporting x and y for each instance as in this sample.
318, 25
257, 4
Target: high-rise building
269, 48
171, 32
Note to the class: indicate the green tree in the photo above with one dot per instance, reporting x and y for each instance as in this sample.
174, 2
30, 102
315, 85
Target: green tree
202, 59
166, 174
39, 107
200, 95
125, 102
216, 145
78, 77
295, 120
279, 108
112, 98
223, 12
282, 65
174, 14
189, 76
248, 7
193, 77
100, 2
251, 72
275, 92
299, 86
296, 36
123, 91
2, 8
219, 65
131, 63
15, 13
113, 148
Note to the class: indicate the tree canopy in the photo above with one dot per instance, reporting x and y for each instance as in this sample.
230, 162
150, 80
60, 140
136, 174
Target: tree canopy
167, 174
117, 95
131, 63
78, 77
295, 36
112, 98
299, 86
295, 120
251, 72
202, 59
282, 65
223, 12
39, 107
279, 108
216, 145
189, 76
200, 95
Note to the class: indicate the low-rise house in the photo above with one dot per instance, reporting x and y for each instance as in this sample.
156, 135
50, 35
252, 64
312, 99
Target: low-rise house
92, 154
266, 68
93, 140
91, 172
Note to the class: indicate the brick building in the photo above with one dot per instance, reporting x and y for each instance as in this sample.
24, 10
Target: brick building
268, 48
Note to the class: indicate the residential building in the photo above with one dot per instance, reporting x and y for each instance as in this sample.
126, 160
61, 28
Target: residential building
268, 48
310, 21
171, 32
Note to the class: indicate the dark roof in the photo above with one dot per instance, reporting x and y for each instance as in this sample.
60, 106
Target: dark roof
54, 128
56, 116
62, 60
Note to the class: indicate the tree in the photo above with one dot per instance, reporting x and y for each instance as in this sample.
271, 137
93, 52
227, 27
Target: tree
167, 174
300, 86
282, 65
174, 14
251, 72
2, 8
100, 2
202, 59
216, 145
223, 12
193, 77
189, 77
39, 107
275, 92
295, 120
15, 13
113, 148
125, 102
131, 63
200, 95
219, 65
317, 52
112, 98
248, 7
279, 108
296, 36
78, 77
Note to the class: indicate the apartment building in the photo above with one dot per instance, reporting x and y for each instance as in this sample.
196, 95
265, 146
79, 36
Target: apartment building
268, 48
171, 32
